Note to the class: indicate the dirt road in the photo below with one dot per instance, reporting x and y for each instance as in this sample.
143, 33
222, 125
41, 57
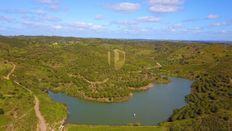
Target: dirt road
9, 74
42, 123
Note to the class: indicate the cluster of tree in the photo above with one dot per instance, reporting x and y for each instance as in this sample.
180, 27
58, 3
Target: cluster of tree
209, 101
1, 111
209, 94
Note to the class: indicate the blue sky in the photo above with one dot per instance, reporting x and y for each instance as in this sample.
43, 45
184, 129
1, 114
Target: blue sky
134, 19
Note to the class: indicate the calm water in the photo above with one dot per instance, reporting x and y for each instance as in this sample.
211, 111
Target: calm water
151, 107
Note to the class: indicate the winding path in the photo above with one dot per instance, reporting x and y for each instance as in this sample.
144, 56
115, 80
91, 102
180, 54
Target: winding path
42, 122
94, 82
9, 74
42, 126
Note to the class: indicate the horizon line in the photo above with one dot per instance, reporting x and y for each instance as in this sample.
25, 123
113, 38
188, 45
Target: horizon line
118, 38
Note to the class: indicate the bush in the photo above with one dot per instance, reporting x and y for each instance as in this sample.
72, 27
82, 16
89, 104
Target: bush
1, 96
1, 111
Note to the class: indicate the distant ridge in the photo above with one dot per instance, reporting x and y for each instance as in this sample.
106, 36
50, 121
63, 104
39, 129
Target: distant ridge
130, 39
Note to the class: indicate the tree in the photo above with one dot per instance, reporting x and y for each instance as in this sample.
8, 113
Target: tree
1, 111
1, 96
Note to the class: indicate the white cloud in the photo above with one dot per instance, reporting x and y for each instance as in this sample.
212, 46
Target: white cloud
51, 3
137, 31
5, 19
125, 7
32, 24
44, 18
165, 6
175, 28
211, 16
46, 1
126, 23
57, 27
38, 12
219, 24
148, 19
224, 31
138, 21
223, 23
99, 17
165, 2
83, 26
71, 27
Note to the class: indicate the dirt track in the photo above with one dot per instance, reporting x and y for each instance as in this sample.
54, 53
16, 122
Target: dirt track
9, 74
42, 123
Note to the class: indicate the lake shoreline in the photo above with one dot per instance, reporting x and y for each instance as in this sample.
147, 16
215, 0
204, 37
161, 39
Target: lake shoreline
153, 96
143, 88
115, 100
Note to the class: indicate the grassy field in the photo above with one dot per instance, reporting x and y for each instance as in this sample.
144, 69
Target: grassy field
17, 106
54, 113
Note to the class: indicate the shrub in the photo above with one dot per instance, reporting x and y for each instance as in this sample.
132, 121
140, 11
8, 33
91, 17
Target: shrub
1, 96
1, 111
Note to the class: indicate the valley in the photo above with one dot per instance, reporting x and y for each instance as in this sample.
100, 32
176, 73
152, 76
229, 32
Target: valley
32, 66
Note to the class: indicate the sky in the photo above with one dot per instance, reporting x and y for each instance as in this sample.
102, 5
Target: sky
128, 19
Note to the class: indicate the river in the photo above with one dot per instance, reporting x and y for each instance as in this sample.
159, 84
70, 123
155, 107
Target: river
148, 108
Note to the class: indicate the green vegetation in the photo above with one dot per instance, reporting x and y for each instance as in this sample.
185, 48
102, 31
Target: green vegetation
17, 106
54, 113
114, 128
80, 68
209, 104
1, 111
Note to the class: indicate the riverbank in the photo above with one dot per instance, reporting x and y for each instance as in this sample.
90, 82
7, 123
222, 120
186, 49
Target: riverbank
116, 99
144, 88
113, 99
108, 100
113, 128
93, 113
149, 86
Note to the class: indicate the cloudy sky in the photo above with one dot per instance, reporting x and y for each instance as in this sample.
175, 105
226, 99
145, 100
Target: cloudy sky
140, 19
